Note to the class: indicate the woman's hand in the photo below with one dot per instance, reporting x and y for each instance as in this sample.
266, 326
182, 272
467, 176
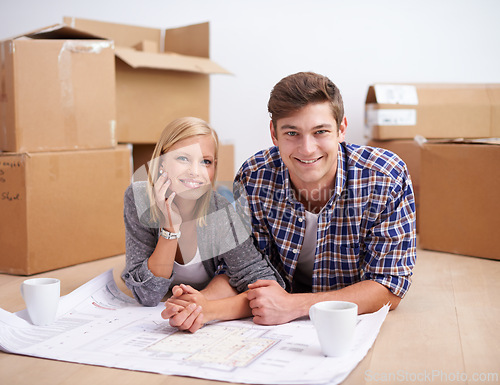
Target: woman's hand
185, 309
173, 219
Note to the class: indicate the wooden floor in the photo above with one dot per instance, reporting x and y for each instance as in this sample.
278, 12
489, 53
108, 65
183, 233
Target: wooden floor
445, 331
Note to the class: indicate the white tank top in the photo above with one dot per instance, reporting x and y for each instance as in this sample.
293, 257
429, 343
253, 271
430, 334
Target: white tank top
192, 273
305, 264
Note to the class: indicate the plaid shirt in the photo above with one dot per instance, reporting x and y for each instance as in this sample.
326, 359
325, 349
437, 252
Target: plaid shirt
366, 231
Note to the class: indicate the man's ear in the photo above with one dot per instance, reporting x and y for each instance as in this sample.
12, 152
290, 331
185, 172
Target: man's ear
342, 129
273, 133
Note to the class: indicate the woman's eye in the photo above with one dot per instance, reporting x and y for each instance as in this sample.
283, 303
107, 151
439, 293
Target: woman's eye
182, 158
207, 162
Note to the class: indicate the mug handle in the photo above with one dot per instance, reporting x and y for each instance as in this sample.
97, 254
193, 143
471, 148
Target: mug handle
311, 313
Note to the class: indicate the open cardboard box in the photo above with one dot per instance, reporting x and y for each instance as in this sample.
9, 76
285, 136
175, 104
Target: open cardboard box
459, 197
61, 208
161, 75
397, 111
57, 91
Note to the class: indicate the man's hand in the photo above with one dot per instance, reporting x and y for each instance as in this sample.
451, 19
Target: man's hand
270, 303
184, 309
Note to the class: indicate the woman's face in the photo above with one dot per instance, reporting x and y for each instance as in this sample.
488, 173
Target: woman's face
190, 165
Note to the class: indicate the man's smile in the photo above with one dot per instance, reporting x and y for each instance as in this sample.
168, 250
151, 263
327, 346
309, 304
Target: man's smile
308, 161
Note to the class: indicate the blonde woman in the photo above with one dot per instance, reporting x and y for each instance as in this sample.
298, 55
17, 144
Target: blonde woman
179, 231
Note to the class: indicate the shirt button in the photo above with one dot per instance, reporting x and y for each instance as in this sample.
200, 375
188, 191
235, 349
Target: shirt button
127, 275
295, 251
301, 220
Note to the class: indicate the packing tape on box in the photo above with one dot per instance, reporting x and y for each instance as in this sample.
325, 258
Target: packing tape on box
53, 168
69, 48
3, 95
67, 90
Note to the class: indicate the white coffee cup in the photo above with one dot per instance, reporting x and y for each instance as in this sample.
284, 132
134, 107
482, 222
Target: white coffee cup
335, 322
41, 296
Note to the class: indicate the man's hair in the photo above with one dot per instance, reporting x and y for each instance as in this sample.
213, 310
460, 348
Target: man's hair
296, 91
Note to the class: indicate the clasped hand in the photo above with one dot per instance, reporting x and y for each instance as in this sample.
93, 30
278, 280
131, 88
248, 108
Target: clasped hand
184, 309
189, 309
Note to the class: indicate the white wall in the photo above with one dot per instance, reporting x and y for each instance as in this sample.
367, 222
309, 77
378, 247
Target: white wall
355, 43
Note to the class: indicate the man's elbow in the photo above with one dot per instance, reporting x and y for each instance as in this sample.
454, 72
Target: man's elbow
394, 301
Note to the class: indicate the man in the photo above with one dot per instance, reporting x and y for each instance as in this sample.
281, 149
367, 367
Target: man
337, 220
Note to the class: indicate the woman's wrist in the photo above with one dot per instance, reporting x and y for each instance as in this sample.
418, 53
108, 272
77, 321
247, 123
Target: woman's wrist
168, 234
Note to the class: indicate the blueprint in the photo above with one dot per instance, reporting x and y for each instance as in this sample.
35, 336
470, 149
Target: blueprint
97, 324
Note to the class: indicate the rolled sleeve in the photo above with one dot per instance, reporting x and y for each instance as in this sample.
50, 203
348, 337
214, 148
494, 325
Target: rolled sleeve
140, 242
391, 249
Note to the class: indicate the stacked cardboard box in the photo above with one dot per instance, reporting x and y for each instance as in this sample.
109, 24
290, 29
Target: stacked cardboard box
62, 175
460, 210
443, 113
161, 75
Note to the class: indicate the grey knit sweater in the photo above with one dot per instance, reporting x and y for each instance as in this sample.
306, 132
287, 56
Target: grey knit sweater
224, 243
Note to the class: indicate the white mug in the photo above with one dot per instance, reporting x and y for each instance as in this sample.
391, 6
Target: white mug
41, 296
335, 322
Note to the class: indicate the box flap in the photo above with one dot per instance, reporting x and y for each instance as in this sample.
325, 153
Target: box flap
191, 40
429, 94
61, 32
123, 35
168, 61
392, 94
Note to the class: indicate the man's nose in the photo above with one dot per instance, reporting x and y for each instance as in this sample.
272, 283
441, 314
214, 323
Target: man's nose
308, 145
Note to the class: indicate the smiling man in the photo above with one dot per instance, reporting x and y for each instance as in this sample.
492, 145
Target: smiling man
337, 220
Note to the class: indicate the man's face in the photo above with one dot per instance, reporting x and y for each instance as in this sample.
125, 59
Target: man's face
308, 143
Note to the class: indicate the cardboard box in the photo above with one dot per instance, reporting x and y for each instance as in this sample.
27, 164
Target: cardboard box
410, 152
155, 88
459, 206
61, 208
57, 91
225, 169
432, 111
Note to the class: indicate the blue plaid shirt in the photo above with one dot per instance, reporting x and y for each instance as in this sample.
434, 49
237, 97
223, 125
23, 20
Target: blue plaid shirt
366, 231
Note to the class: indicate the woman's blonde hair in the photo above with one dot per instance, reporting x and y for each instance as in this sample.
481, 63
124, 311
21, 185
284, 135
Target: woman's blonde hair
177, 130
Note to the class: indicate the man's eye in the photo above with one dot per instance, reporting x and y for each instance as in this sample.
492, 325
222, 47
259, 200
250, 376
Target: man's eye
291, 133
321, 131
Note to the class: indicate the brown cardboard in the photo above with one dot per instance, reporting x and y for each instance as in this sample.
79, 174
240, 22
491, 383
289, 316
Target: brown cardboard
435, 111
459, 206
61, 208
57, 91
155, 88
225, 168
410, 152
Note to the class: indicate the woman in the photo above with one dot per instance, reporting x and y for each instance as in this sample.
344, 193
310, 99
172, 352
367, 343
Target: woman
179, 231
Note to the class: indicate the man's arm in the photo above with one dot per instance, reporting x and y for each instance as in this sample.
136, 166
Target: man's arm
272, 305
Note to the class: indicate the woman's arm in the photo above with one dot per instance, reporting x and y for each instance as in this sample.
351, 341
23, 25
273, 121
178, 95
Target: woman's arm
147, 283
219, 288
189, 309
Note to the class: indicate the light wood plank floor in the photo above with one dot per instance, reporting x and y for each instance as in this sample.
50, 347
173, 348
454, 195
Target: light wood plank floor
445, 331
